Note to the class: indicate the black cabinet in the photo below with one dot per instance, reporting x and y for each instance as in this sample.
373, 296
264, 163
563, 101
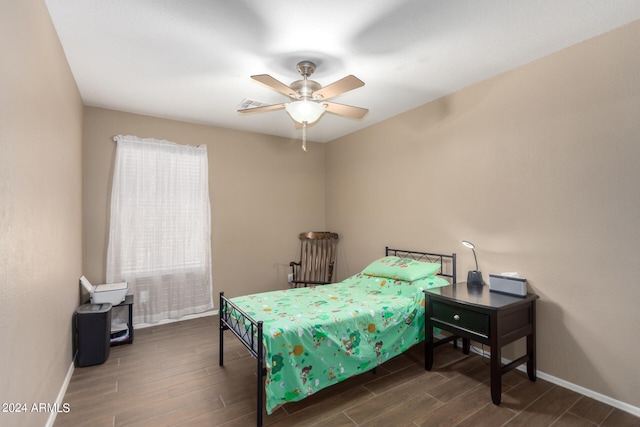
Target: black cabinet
92, 324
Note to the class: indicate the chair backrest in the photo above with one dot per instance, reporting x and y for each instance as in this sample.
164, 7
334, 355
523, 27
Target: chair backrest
317, 257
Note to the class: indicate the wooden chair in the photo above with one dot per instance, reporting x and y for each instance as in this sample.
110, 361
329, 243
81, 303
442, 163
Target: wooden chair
317, 259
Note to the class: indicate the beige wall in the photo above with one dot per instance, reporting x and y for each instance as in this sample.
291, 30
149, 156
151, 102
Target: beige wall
264, 191
40, 209
538, 167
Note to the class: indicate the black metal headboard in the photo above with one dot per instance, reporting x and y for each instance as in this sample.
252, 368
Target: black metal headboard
446, 261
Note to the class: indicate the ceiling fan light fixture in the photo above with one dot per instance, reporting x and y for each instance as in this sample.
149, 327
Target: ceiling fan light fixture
304, 110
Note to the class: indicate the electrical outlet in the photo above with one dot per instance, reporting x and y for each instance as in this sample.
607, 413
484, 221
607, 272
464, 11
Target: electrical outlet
290, 278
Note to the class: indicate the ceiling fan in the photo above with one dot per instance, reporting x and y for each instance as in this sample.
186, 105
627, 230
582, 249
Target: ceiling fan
308, 98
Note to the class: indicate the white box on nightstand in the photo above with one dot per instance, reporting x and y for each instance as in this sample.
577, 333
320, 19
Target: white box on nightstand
511, 285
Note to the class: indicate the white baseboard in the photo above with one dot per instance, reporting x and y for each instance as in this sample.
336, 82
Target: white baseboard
187, 317
568, 385
63, 390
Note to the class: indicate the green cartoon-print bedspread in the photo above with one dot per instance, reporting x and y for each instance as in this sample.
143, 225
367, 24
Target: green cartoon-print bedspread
317, 337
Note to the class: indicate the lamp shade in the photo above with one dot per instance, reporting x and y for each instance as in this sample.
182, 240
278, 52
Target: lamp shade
468, 244
304, 111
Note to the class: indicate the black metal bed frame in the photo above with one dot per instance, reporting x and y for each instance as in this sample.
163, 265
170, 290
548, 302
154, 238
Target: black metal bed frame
250, 332
447, 262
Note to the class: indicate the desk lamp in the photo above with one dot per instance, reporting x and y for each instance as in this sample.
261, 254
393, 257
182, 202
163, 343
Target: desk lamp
474, 277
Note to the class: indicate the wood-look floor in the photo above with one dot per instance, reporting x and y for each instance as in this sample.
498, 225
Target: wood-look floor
170, 376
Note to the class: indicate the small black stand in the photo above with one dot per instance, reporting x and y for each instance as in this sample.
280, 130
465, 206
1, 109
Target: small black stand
128, 301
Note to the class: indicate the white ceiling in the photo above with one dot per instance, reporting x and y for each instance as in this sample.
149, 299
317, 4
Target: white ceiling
191, 60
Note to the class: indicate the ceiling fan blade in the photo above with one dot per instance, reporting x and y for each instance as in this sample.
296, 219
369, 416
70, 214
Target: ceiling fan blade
338, 87
345, 110
262, 109
276, 85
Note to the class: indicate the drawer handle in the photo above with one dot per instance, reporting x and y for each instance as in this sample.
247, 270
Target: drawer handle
456, 317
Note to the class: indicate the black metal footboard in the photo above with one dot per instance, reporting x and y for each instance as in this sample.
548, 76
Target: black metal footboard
249, 332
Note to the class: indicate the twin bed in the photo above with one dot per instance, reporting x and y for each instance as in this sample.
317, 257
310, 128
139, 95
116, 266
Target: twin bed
307, 339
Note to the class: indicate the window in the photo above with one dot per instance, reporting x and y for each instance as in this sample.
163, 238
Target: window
160, 231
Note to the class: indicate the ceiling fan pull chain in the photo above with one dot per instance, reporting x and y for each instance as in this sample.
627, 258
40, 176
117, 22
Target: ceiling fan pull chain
304, 136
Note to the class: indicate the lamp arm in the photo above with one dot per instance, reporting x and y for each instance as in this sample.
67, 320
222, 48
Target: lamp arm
475, 258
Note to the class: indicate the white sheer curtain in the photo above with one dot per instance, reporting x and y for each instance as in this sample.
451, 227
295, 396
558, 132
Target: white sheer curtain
160, 232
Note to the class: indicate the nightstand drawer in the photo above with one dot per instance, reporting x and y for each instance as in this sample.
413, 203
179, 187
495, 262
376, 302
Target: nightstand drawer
459, 317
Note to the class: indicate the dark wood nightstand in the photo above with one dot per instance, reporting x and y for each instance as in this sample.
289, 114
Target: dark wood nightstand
491, 318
